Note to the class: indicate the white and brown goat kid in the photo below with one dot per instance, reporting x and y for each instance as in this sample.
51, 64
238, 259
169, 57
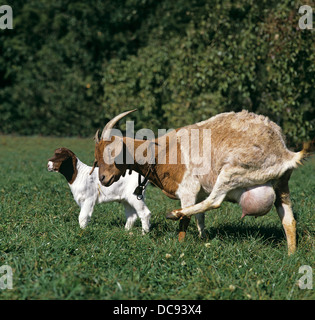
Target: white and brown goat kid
87, 190
249, 164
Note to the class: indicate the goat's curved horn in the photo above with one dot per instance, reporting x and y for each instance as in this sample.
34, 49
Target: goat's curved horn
106, 131
96, 137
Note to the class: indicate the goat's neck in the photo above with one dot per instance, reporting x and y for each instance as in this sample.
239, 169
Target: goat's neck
165, 176
83, 169
76, 172
145, 168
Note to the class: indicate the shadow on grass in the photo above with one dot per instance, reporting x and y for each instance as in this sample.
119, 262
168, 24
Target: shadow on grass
270, 234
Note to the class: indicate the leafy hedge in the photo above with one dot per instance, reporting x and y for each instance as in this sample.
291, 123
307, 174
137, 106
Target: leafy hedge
177, 62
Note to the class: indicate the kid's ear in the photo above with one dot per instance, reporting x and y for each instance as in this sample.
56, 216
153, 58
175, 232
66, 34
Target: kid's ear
52, 158
58, 157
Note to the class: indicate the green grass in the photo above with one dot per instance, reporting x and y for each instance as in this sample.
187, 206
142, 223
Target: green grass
52, 258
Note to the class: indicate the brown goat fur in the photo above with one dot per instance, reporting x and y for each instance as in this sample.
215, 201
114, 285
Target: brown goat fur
65, 162
247, 156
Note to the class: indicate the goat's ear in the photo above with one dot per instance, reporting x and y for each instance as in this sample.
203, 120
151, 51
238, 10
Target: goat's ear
55, 157
94, 165
61, 154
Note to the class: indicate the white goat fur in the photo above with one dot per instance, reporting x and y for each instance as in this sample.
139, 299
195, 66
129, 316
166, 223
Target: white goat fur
88, 191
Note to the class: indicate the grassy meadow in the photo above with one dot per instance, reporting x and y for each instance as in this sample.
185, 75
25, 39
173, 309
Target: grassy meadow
52, 258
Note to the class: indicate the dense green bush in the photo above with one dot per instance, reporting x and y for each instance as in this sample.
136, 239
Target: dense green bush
231, 56
51, 62
177, 62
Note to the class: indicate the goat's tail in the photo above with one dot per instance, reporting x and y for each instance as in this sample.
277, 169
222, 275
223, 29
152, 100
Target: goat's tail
307, 151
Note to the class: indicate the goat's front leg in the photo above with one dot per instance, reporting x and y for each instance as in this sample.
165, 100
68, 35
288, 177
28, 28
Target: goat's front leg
86, 213
188, 200
183, 225
200, 220
131, 216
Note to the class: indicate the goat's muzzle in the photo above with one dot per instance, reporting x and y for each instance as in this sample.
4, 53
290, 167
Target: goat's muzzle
107, 183
50, 166
102, 178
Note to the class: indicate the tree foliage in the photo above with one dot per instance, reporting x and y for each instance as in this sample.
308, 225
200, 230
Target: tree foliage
67, 67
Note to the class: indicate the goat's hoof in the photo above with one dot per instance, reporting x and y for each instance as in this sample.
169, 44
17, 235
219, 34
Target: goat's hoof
181, 236
145, 231
174, 215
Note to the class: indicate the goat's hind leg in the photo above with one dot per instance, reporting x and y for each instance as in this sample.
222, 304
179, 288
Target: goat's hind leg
284, 209
222, 186
137, 208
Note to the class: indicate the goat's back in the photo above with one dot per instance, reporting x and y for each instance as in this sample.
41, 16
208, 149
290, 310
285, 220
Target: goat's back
252, 143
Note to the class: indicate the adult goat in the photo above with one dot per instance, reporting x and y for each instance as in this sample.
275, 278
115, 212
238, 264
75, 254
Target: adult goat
248, 160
